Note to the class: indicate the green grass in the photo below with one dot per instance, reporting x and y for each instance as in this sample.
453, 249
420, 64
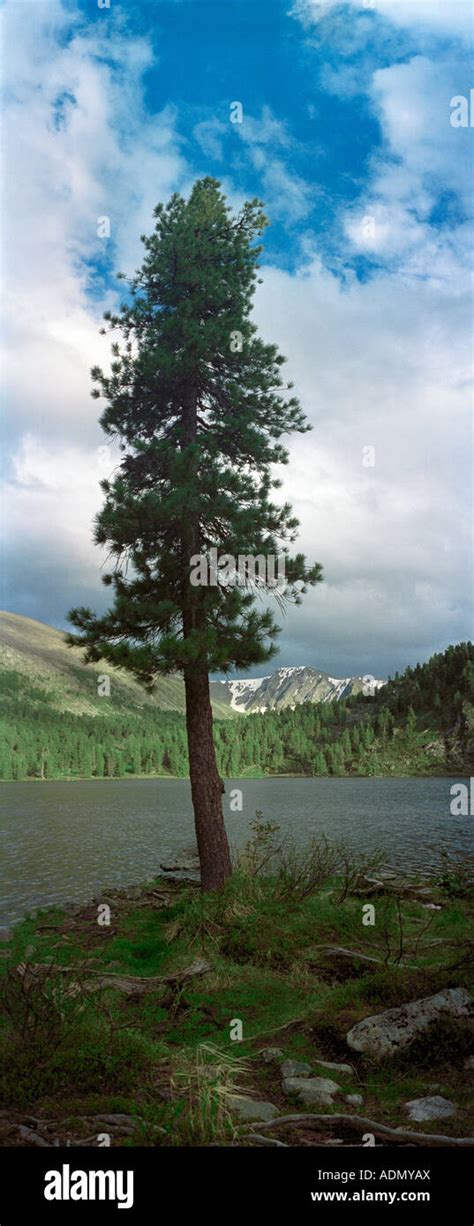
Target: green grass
70, 1055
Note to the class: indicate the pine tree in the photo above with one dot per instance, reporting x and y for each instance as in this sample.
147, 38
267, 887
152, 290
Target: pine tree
199, 405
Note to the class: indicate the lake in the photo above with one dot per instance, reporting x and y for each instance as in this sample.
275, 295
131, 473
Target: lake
68, 840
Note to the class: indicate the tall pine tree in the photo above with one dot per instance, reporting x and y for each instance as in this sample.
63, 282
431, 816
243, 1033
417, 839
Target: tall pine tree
199, 405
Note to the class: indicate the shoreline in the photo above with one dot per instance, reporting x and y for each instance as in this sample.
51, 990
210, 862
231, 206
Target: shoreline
174, 877
459, 774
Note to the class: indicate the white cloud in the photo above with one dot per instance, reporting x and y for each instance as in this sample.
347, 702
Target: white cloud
56, 486
288, 197
447, 17
421, 163
382, 363
209, 135
377, 367
78, 145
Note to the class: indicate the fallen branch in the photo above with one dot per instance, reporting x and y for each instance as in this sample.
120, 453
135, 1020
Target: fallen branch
340, 951
129, 984
359, 1121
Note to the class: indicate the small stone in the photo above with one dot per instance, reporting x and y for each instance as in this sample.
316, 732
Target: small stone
436, 1108
345, 1070
248, 1109
469, 1064
313, 1091
354, 1100
295, 1068
272, 1054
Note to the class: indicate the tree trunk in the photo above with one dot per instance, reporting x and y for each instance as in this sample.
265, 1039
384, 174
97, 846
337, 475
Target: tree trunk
206, 784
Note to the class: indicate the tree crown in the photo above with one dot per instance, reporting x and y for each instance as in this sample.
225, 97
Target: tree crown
199, 405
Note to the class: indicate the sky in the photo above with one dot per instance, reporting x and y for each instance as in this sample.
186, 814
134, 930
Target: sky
351, 137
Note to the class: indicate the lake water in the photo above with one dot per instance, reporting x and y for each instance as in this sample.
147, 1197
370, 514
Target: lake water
67, 841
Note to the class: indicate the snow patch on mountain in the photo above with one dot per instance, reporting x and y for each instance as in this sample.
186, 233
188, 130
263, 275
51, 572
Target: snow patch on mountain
242, 690
287, 687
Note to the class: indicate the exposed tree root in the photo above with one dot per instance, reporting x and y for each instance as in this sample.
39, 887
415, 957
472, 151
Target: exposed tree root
359, 1121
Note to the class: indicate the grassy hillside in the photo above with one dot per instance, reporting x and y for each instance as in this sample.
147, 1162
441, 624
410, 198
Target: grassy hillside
44, 664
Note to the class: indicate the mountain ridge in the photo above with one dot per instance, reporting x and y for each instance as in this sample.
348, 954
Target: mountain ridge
287, 687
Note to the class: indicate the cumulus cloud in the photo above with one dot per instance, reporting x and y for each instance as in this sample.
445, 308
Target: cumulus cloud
447, 17
378, 363
79, 145
377, 368
418, 175
385, 363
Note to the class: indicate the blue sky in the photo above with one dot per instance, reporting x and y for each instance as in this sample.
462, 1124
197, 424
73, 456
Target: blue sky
346, 135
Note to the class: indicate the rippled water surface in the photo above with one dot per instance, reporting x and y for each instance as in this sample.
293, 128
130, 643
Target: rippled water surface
65, 841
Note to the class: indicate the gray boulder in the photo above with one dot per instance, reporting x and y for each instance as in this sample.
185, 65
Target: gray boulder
312, 1091
249, 1109
295, 1068
354, 1100
384, 1034
436, 1108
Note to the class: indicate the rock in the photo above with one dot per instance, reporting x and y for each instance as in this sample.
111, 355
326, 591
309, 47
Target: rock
469, 1064
295, 1068
344, 1070
354, 1100
384, 1034
248, 1109
431, 906
188, 866
313, 1091
436, 1108
271, 1054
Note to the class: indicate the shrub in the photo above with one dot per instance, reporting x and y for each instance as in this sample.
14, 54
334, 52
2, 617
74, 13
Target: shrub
445, 1042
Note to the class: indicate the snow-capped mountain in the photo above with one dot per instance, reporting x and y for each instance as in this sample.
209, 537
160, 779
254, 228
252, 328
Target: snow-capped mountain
285, 688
